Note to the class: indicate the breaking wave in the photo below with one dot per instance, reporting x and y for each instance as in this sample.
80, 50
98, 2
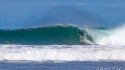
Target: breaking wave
48, 35
63, 35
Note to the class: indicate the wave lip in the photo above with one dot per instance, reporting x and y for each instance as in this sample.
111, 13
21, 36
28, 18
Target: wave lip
61, 53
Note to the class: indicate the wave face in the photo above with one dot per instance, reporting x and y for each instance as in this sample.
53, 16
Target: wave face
61, 35
61, 53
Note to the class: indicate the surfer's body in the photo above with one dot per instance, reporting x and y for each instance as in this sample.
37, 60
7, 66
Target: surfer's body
83, 41
81, 37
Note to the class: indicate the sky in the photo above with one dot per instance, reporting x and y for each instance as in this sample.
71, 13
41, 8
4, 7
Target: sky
16, 14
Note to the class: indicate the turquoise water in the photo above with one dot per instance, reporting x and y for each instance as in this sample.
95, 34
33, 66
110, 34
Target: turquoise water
49, 35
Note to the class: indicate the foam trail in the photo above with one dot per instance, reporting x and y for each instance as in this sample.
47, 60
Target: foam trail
61, 53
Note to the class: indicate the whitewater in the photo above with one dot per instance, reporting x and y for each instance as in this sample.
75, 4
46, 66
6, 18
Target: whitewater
61, 53
114, 36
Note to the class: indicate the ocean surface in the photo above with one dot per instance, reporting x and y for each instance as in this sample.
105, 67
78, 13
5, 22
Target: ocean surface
75, 65
59, 48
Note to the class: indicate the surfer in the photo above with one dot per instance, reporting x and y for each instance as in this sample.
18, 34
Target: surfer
81, 36
83, 39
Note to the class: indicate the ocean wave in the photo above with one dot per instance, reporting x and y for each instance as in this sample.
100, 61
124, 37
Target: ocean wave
48, 35
63, 35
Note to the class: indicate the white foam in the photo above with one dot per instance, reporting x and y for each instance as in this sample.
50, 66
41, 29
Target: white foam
114, 36
61, 53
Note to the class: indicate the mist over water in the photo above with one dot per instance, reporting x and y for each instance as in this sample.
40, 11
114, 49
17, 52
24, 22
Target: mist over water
115, 37
70, 15
58, 14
